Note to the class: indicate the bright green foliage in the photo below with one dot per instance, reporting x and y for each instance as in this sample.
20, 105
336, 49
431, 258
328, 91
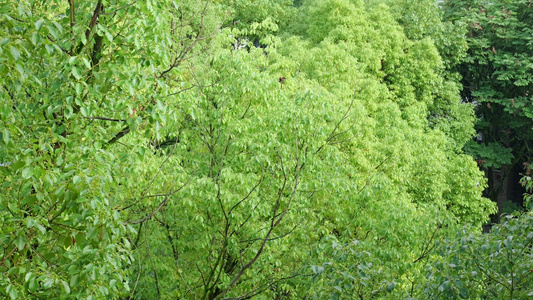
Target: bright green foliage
424, 19
76, 78
149, 150
409, 152
497, 265
385, 257
397, 84
251, 174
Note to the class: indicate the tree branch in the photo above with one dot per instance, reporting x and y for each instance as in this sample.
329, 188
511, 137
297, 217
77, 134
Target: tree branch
119, 135
332, 134
105, 119
160, 205
120, 8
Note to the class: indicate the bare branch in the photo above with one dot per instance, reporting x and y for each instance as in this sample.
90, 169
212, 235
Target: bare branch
275, 221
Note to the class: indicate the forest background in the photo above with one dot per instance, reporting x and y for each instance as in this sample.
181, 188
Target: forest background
334, 149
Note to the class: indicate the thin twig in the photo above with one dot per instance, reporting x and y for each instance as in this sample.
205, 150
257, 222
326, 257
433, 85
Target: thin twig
120, 8
160, 205
105, 119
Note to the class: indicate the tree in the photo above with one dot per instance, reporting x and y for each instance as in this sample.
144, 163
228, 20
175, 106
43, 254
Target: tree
149, 150
497, 79
84, 91
405, 129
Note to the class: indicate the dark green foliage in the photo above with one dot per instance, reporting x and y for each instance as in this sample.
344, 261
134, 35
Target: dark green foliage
497, 265
498, 77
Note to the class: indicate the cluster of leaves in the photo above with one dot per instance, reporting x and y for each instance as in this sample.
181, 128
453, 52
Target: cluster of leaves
490, 154
480, 266
527, 182
150, 150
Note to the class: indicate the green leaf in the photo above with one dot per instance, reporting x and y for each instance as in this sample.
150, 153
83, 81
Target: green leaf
27, 172
39, 24
48, 283
79, 89
109, 36
69, 112
317, 269
18, 165
20, 242
74, 281
5, 136
76, 72
50, 49
141, 151
86, 62
53, 31
84, 111
30, 222
508, 241
33, 285
41, 228
391, 287
463, 291
58, 26
35, 38
66, 287
15, 53
11, 291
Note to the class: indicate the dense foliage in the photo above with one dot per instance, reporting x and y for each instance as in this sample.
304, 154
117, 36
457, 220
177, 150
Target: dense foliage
212, 150
498, 78
498, 265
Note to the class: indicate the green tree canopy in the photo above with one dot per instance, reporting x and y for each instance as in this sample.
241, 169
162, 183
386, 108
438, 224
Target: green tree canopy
162, 149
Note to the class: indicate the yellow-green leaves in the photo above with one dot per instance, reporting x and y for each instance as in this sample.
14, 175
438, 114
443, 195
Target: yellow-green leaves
207, 150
